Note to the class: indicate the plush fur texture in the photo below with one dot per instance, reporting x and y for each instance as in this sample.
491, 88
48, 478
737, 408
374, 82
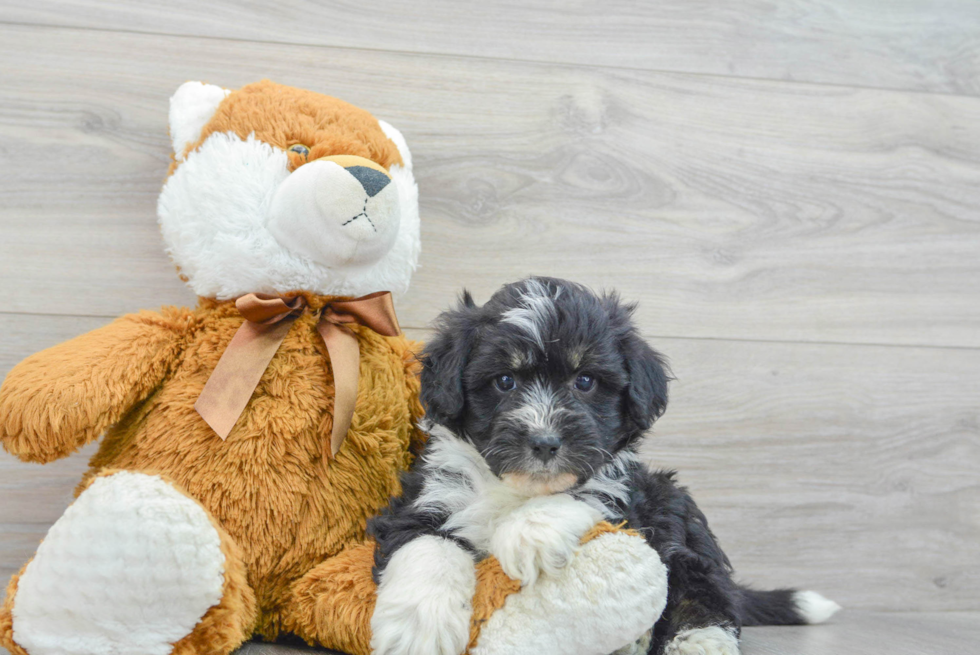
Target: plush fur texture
283, 116
606, 596
191, 107
813, 607
424, 600
151, 558
222, 209
625, 577
271, 485
220, 630
280, 506
540, 397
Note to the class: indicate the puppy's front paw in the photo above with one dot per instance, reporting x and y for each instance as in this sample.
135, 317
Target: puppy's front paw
541, 535
704, 641
424, 600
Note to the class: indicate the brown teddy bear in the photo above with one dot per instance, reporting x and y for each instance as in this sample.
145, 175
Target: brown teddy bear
181, 541
247, 441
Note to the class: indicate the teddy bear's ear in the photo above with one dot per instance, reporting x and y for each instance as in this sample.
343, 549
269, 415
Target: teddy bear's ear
191, 107
396, 137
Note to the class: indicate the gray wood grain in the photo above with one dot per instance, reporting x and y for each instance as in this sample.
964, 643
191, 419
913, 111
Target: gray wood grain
865, 633
729, 208
847, 469
915, 44
851, 632
807, 253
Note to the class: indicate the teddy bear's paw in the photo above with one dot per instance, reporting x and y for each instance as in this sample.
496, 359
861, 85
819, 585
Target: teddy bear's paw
714, 640
424, 601
541, 535
130, 568
605, 599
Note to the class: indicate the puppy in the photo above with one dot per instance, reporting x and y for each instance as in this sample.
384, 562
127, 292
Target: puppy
535, 405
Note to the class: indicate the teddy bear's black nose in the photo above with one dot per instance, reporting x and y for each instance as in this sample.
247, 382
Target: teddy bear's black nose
372, 180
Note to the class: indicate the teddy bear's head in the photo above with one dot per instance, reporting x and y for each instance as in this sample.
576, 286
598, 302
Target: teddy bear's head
277, 189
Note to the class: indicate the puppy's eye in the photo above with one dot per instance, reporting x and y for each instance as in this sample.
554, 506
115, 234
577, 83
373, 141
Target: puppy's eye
300, 149
584, 382
505, 382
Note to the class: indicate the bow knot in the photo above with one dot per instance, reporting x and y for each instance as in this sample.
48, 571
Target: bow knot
266, 309
268, 319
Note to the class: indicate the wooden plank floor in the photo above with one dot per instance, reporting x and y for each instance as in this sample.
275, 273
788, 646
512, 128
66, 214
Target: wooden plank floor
730, 208
925, 45
791, 191
853, 633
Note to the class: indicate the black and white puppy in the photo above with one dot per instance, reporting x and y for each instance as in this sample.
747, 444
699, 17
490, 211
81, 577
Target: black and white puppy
547, 390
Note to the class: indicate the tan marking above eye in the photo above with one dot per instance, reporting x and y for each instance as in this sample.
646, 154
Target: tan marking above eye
346, 161
519, 360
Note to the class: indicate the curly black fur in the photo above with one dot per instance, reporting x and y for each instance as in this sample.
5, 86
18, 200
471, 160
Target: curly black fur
545, 335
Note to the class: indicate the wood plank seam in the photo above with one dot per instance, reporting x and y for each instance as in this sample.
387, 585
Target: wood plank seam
513, 60
647, 335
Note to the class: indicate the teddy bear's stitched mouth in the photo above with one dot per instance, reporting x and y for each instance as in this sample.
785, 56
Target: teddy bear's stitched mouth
364, 214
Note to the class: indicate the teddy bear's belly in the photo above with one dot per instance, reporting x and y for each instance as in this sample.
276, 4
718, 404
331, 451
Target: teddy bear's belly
272, 484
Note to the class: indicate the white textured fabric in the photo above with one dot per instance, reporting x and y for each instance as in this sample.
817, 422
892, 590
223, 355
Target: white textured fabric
129, 569
610, 594
191, 107
322, 212
214, 213
399, 141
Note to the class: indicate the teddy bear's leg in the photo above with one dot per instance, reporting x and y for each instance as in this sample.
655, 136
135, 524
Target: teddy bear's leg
133, 567
332, 604
7, 619
604, 601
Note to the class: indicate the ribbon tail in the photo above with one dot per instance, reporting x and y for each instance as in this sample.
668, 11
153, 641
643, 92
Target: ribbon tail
345, 356
238, 372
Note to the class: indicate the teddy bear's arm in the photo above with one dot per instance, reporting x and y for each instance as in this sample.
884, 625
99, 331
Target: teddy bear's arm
60, 399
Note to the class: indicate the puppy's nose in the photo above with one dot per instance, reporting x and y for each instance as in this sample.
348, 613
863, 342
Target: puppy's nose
545, 447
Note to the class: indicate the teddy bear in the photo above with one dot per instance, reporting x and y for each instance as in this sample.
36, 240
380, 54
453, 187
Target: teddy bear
246, 442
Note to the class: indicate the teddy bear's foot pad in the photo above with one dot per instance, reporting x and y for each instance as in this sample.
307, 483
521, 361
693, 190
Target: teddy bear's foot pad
608, 597
129, 569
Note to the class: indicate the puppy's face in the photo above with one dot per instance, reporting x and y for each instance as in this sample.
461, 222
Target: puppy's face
547, 380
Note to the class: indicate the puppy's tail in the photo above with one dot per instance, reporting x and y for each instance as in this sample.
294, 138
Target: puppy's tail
784, 607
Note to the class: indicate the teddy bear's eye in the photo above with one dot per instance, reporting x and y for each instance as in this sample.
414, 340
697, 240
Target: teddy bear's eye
300, 149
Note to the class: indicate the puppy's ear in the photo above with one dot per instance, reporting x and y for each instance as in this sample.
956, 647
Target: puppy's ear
444, 361
645, 396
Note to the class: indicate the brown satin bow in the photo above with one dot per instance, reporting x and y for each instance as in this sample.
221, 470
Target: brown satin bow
267, 321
